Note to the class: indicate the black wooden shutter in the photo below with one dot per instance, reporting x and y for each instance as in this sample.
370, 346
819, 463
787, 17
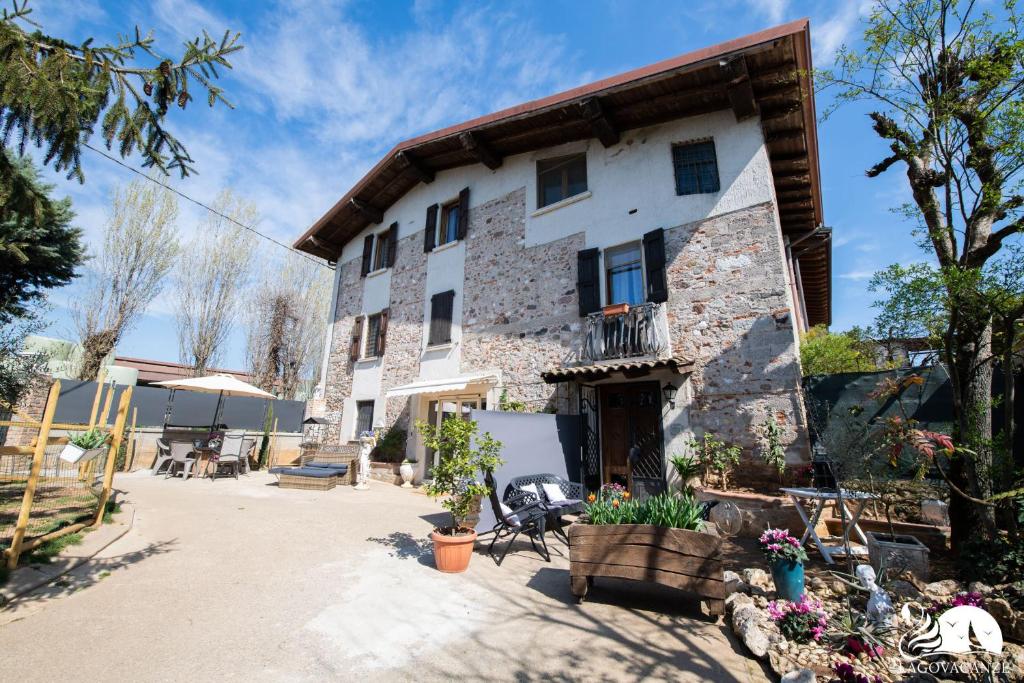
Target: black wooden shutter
430, 229
463, 213
654, 259
382, 336
357, 339
392, 245
367, 255
588, 280
441, 317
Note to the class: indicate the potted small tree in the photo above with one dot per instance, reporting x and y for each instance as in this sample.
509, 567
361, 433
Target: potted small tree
464, 455
84, 446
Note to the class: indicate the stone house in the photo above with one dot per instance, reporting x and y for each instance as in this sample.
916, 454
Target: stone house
642, 251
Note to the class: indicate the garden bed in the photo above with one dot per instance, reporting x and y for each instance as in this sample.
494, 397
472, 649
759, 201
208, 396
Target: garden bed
677, 558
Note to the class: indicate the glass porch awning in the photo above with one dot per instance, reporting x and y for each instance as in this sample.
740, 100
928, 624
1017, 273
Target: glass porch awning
442, 386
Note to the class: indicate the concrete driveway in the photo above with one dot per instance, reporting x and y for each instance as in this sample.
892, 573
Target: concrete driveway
239, 580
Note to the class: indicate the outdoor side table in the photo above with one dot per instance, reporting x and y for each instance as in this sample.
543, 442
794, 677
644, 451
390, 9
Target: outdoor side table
820, 498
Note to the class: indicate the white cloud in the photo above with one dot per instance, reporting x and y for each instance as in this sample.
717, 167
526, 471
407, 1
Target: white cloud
857, 275
772, 10
838, 29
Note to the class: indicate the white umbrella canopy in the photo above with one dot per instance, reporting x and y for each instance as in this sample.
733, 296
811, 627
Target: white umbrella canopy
220, 384
227, 385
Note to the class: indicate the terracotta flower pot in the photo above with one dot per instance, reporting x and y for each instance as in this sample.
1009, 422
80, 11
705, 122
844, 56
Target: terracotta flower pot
452, 553
616, 309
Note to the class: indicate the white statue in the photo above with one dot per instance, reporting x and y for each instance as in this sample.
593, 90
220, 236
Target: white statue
367, 440
880, 609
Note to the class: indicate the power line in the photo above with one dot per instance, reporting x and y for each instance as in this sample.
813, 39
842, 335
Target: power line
205, 206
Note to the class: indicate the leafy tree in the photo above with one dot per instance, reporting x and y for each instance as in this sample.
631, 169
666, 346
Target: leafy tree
140, 245
39, 249
53, 93
828, 353
946, 81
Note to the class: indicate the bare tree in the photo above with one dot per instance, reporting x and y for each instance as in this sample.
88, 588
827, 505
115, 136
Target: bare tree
140, 245
212, 274
286, 320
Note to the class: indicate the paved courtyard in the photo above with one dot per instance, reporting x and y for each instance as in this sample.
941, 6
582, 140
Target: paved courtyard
239, 580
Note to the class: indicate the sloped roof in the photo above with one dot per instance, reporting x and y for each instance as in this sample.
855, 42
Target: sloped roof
764, 74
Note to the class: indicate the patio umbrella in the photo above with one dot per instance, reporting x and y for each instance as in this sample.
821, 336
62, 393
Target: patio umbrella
220, 384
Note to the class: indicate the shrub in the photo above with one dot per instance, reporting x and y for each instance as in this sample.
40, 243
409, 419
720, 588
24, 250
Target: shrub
391, 446
715, 456
686, 467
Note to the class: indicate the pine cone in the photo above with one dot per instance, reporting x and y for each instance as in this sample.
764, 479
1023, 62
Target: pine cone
182, 99
148, 89
165, 68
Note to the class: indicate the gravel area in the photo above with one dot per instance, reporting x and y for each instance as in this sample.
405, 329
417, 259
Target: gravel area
240, 580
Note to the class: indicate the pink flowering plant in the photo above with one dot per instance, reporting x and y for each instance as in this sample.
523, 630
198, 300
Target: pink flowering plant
973, 599
801, 621
777, 544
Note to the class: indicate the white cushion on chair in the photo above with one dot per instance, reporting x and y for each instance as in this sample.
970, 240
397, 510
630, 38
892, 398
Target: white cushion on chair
506, 512
531, 489
554, 493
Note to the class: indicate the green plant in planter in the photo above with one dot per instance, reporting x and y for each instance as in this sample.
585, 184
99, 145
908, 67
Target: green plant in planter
715, 456
772, 451
663, 510
465, 454
93, 438
687, 467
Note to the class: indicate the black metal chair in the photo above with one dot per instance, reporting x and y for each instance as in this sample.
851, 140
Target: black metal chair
519, 514
569, 503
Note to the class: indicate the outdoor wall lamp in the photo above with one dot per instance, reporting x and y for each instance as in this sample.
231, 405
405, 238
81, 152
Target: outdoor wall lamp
669, 392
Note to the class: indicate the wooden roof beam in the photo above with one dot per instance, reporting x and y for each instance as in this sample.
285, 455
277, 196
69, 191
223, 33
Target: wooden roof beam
472, 143
784, 135
367, 210
739, 89
602, 127
414, 167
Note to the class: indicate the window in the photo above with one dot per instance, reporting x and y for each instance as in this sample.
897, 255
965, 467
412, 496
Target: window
373, 336
379, 250
696, 167
364, 416
624, 274
560, 178
382, 254
441, 306
448, 228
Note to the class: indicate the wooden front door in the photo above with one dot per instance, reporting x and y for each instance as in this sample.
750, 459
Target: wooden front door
630, 419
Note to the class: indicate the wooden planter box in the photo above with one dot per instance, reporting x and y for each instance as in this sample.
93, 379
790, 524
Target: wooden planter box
687, 560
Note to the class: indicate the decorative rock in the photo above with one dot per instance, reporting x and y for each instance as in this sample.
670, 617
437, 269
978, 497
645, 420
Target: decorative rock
942, 589
817, 583
839, 588
903, 589
755, 639
758, 578
979, 587
734, 601
799, 676
734, 584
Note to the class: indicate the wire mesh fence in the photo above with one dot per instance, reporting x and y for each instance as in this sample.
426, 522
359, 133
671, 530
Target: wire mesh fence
46, 491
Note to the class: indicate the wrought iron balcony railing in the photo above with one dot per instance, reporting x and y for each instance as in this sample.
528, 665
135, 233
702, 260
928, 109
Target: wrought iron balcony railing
623, 335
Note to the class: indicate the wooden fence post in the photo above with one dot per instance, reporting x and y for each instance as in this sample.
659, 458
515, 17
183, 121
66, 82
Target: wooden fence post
273, 445
96, 399
129, 452
33, 477
115, 446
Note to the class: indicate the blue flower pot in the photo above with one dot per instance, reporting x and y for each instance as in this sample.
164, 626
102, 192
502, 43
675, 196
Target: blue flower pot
788, 576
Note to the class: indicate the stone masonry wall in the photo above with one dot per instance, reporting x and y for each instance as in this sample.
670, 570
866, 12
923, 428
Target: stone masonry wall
338, 385
520, 311
728, 311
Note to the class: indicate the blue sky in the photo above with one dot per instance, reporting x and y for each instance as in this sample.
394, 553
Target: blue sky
323, 89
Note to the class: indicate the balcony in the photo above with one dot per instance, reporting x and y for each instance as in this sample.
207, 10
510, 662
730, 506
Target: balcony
640, 330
